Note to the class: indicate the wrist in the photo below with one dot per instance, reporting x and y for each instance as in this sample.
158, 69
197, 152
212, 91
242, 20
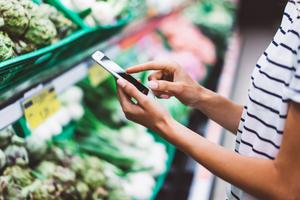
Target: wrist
203, 96
164, 126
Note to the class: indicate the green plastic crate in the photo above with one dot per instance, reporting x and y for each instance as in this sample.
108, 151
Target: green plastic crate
20, 66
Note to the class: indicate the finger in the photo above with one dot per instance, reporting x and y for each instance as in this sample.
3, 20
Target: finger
155, 65
132, 91
125, 101
165, 87
156, 76
165, 96
161, 95
128, 107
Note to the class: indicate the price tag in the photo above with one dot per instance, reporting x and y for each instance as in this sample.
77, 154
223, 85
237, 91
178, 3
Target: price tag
40, 107
97, 74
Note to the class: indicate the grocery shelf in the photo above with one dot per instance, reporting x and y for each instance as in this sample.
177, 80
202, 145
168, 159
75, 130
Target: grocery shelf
11, 112
203, 179
74, 73
14, 111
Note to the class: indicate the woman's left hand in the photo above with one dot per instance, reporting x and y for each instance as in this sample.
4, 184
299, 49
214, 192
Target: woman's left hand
145, 112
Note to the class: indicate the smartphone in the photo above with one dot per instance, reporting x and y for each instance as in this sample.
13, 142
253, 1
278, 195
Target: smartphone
117, 71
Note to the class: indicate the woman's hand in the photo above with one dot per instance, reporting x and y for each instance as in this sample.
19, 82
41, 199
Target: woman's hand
145, 112
169, 79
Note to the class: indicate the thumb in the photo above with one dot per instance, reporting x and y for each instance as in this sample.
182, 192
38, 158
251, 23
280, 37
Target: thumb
164, 86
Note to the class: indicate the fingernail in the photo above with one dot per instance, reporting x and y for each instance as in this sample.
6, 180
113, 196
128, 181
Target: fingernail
121, 82
164, 96
153, 85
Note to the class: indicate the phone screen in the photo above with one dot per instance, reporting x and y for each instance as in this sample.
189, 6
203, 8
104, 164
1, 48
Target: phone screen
137, 84
117, 71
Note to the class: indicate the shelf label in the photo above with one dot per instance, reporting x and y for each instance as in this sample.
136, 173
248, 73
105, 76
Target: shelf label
40, 107
97, 74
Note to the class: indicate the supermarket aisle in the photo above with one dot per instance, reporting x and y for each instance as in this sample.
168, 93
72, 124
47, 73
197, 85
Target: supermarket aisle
254, 43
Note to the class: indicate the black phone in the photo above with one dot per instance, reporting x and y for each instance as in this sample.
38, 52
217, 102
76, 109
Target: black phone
117, 71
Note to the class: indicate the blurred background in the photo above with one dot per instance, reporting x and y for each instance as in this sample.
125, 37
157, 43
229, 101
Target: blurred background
61, 125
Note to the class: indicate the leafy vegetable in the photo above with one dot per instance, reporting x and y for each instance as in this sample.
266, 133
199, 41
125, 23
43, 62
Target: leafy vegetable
15, 18
6, 47
16, 155
41, 31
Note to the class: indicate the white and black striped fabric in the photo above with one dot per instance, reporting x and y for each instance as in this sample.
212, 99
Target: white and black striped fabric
274, 83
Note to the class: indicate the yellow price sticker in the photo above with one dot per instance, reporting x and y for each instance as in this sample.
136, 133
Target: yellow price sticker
97, 75
40, 107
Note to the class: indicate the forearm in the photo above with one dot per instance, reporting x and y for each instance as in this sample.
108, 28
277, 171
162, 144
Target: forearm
256, 176
219, 109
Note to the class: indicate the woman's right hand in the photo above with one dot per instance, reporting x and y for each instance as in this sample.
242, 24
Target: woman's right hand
169, 79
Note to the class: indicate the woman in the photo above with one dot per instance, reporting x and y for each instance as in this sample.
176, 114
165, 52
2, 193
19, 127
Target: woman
266, 161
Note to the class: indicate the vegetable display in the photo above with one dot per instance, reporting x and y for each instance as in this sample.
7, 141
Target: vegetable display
56, 174
101, 12
26, 26
99, 161
214, 17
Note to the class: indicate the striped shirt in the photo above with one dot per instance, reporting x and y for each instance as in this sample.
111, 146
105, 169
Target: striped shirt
274, 83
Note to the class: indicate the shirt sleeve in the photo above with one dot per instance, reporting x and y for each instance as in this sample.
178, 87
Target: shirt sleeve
292, 91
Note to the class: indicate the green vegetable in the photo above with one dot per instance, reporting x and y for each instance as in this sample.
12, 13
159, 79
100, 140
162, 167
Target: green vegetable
41, 31
14, 17
78, 165
94, 178
5, 137
46, 168
22, 47
99, 194
6, 49
2, 159
95, 163
29, 6
36, 191
70, 192
64, 175
56, 154
63, 25
36, 147
83, 189
16, 140
214, 17
104, 96
4, 182
118, 194
16, 155
20, 176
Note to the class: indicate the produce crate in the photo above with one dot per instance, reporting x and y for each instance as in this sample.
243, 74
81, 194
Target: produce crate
21, 66
96, 33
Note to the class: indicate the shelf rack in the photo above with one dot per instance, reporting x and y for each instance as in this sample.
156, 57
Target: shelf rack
77, 70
